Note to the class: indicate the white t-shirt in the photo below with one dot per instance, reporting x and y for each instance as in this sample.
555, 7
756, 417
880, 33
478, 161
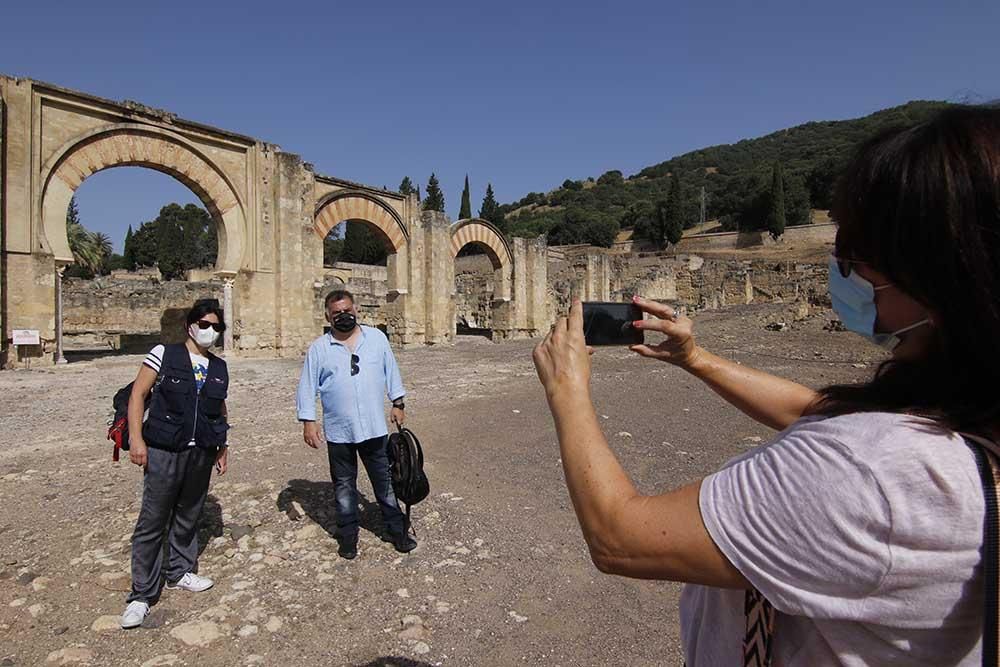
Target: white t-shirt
199, 365
864, 532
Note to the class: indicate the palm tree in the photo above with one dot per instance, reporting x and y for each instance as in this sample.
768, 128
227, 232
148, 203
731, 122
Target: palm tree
87, 252
103, 243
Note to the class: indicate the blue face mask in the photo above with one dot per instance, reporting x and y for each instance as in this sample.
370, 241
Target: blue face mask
853, 300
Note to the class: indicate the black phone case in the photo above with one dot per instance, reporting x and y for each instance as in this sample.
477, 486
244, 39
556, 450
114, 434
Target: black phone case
609, 323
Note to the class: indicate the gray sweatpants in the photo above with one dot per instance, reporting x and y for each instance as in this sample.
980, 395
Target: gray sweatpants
174, 490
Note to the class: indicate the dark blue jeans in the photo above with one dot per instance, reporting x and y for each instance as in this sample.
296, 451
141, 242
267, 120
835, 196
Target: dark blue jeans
344, 471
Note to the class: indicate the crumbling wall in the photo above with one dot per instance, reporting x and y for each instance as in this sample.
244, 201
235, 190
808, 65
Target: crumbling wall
117, 313
109, 312
369, 287
693, 281
474, 290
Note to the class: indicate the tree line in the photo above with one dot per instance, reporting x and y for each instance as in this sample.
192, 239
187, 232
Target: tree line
736, 182
180, 238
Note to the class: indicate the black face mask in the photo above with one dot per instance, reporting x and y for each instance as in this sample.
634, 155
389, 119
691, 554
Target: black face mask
345, 322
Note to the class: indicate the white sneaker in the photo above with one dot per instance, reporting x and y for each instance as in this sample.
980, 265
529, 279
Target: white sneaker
135, 614
192, 582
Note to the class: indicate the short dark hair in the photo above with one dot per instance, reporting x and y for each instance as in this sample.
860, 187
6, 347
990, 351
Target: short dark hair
204, 307
922, 206
337, 295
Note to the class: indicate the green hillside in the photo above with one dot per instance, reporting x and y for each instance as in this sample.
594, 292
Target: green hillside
737, 179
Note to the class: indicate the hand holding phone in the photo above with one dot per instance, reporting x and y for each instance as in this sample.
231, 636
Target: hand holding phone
606, 323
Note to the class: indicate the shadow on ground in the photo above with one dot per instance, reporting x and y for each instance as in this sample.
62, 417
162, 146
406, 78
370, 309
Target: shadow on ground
210, 524
319, 502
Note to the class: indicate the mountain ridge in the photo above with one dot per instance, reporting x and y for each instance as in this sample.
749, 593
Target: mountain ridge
732, 176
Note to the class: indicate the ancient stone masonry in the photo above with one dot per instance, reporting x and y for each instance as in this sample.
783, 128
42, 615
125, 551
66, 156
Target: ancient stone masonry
128, 313
271, 211
689, 280
474, 292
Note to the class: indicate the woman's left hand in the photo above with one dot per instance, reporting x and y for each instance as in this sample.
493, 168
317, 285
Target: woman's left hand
222, 460
562, 360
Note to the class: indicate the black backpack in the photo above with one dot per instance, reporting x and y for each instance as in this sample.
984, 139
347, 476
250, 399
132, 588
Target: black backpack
118, 425
406, 467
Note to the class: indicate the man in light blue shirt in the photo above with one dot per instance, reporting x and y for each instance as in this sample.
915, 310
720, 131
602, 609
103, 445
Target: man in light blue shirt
353, 369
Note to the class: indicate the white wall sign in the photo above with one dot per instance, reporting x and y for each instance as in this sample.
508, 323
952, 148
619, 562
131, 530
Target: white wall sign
26, 337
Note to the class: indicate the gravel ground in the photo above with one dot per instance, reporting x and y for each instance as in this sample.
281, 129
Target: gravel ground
501, 576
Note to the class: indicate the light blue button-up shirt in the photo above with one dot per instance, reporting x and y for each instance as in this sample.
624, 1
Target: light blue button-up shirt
353, 405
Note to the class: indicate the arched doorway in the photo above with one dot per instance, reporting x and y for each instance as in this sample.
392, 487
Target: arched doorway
482, 278
372, 274
125, 145
145, 250
137, 145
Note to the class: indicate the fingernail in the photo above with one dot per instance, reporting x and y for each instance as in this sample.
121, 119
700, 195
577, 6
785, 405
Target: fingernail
637, 324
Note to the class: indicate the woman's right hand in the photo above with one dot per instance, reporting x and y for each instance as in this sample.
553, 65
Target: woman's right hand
137, 453
678, 347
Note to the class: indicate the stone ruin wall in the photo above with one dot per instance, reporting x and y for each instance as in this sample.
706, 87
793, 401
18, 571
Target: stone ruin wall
474, 289
693, 281
127, 313
368, 284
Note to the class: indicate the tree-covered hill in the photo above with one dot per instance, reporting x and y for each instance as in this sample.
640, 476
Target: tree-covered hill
738, 180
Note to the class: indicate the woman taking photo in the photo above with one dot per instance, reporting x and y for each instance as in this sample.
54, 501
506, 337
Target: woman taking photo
861, 523
182, 437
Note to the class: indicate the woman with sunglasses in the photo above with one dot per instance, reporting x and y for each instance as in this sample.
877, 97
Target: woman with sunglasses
180, 439
856, 536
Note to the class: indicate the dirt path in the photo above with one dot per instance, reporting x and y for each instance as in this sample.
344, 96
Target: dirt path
501, 576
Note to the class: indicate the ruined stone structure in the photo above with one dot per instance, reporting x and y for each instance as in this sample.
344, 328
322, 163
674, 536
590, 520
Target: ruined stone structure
272, 212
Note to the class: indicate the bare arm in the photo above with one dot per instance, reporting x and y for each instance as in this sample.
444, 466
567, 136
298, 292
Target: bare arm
769, 399
143, 384
650, 537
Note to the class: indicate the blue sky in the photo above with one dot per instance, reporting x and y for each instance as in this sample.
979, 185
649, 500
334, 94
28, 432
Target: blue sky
522, 95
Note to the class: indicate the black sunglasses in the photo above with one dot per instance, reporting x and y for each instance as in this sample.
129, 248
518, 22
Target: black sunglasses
355, 369
204, 324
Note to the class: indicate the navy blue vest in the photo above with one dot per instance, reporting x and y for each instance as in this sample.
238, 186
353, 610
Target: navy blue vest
178, 412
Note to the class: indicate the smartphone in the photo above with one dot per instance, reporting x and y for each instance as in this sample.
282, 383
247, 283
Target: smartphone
611, 323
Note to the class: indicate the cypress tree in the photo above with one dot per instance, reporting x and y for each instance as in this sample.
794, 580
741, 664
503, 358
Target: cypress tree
776, 208
435, 198
129, 251
170, 242
658, 227
406, 187
674, 214
362, 245
489, 206
465, 212
490, 210
73, 213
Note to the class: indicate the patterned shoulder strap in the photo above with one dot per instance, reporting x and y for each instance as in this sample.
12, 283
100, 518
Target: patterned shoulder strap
989, 474
759, 630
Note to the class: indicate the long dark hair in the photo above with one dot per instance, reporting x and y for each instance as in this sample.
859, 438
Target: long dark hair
922, 206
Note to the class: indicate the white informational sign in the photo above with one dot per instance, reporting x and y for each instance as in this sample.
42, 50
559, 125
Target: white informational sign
26, 337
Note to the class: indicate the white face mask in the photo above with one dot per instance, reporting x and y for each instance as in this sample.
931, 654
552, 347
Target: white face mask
204, 337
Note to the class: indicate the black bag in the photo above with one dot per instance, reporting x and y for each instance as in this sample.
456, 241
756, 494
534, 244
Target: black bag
406, 468
118, 425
